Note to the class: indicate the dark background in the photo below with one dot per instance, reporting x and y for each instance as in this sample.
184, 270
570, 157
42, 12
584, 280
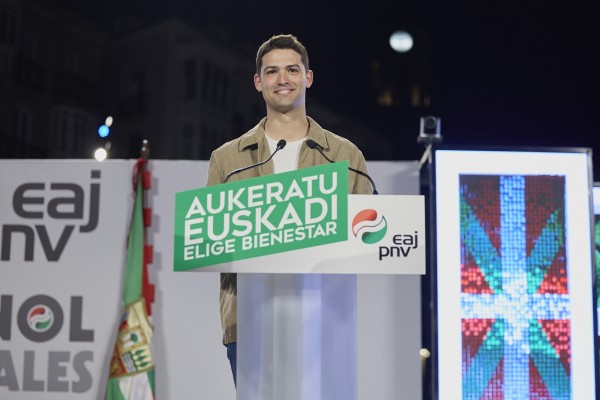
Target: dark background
494, 73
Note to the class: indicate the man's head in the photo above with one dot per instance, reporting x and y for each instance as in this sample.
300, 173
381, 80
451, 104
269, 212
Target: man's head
281, 42
282, 74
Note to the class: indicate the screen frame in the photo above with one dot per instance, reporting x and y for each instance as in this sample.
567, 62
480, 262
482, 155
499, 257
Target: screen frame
450, 161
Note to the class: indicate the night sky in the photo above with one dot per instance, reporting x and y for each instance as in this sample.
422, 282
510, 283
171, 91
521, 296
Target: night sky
497, 74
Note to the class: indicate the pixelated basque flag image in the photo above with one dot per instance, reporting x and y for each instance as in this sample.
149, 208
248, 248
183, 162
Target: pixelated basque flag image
515, 301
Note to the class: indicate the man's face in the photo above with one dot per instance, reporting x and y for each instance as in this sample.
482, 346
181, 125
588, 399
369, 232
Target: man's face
283, 80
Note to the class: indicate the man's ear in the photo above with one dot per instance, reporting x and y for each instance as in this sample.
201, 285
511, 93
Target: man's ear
309, 78
257, 83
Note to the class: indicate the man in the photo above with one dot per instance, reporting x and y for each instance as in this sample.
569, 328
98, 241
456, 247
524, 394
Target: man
282, 76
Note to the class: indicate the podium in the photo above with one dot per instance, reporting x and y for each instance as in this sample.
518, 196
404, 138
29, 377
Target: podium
297, 309
297, 336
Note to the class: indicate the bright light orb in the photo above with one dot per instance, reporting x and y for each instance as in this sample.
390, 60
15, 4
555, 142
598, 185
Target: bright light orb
100, 154
109, 120
401, 41
103, 131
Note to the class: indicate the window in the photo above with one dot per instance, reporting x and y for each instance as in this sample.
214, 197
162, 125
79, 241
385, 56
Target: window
187, 142
189, 77
71, 131
24, 124
8, 26
29, 46
5, 62
71, 62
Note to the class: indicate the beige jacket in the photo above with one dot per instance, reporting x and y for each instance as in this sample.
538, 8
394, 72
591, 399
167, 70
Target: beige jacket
251, 148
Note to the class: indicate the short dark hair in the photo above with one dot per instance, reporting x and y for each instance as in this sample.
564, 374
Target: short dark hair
281, 42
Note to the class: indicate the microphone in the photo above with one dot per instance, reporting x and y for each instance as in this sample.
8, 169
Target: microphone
280, 145
315, 146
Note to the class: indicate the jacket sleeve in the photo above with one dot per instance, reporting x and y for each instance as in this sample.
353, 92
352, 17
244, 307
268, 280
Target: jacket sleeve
215, 171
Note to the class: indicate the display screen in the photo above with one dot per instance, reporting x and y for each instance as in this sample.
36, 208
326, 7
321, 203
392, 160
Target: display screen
596, 197
513, 275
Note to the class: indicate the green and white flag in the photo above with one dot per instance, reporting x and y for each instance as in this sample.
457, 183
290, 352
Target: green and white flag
131, 374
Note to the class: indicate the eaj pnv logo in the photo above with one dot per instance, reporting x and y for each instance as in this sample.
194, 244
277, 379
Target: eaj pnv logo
369, 226
261, 216
40, 318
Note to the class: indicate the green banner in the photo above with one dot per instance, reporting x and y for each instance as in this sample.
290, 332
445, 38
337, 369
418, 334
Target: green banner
260, 216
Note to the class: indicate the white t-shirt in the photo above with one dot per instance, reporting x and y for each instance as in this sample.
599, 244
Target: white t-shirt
286, 159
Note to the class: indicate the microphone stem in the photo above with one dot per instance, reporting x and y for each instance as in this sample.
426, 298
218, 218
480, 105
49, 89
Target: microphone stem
351, 169
280, 146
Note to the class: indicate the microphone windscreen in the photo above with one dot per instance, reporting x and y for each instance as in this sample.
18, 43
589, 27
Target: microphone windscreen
281, 144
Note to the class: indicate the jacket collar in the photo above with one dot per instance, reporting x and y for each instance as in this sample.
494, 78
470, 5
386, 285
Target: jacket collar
256, 135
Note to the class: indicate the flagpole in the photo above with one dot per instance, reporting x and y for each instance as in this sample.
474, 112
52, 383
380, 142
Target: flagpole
145, 151
146, 176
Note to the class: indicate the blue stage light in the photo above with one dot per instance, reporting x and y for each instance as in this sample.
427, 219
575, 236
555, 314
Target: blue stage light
103, 131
